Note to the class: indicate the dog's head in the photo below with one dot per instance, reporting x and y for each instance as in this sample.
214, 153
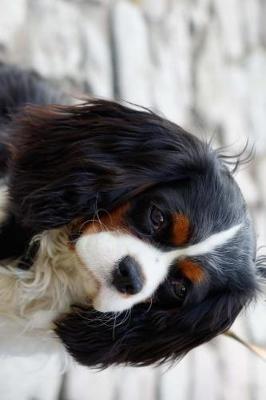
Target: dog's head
155, 216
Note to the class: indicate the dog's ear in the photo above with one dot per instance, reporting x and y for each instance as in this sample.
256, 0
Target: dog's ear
69, 161
146, 336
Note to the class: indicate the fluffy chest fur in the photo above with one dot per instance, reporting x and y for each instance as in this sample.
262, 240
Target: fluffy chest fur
31, 300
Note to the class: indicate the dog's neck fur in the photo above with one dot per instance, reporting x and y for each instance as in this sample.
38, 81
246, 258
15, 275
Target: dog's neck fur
31, 300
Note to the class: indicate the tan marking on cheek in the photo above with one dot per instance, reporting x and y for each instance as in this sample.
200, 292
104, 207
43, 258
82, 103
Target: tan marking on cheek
180, 229
109, 221
71, 246
191, 271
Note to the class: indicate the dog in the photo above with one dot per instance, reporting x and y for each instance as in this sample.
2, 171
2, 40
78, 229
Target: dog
124, 238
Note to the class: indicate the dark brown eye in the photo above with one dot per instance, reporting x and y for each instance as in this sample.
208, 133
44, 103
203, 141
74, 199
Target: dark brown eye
157, 218
180, 290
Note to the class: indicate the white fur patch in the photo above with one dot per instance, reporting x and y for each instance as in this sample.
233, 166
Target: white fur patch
101, 252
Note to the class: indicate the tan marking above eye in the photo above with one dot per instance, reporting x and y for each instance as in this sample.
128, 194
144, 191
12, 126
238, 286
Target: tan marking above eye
191, 270
180, 229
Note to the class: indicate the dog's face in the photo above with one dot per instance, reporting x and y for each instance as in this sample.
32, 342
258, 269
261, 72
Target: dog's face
179, 256
155, 249
157, 220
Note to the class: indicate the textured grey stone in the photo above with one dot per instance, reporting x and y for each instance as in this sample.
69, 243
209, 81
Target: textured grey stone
12, 18
134, 66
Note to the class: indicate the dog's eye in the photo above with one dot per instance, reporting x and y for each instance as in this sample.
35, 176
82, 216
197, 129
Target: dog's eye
171, 293
180, 289
156, 218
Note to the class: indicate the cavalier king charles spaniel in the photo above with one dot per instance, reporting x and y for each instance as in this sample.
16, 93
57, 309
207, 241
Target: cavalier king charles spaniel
123, 238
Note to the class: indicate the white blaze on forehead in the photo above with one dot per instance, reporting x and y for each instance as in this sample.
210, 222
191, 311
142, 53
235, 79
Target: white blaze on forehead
206, 246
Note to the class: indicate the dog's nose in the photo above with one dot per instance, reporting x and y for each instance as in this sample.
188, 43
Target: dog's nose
127, 277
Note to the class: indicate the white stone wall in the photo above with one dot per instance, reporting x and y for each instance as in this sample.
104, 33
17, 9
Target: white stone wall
201, 63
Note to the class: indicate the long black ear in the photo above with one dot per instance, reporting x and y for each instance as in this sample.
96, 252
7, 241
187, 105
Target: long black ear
67, 161
146, 336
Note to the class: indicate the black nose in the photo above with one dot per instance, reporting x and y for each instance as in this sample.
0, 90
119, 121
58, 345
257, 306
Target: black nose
127, 277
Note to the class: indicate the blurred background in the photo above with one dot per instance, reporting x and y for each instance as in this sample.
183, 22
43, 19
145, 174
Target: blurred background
202, 64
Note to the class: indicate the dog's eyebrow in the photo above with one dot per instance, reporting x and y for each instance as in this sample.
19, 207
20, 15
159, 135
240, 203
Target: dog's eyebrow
180, 229
191, 270
206, 246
